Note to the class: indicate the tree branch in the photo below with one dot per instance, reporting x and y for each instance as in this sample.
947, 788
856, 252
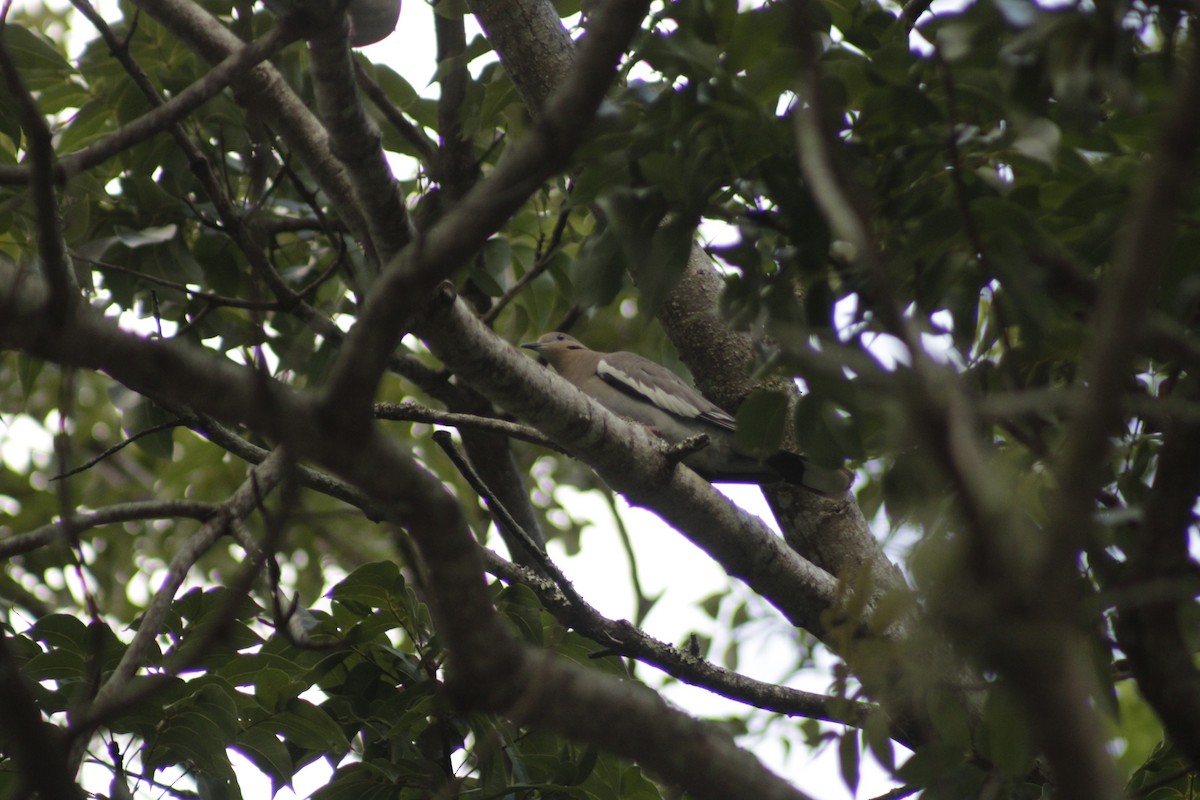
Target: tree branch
622, 638
532, 44
355, 139
426, 149
455, 167
123, 512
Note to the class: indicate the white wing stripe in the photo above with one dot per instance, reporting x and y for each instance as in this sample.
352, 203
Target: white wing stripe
663, 398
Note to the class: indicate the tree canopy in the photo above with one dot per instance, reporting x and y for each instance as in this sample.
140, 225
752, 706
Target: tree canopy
259, 296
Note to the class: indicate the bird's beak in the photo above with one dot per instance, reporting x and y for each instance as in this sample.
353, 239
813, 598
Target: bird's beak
534, 346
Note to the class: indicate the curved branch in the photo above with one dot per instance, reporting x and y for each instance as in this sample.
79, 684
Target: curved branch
409, 411
355, 139
622, 638
52, 248
123, 512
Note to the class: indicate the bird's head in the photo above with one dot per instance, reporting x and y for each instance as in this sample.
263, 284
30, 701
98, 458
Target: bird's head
554, 347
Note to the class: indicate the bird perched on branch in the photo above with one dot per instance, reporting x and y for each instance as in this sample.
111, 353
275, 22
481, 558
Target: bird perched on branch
638, 389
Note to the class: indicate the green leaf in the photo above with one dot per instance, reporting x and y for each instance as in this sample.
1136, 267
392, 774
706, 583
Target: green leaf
62, 632
262, 746
359, 782
670, 248
1008, 741
948, 716
599, 271
520, 606
145, 415
311, 728
877, 734
848, 757
35, 57
762, 421
195, 731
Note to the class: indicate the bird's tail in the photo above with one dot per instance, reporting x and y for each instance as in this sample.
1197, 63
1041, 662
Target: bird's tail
799, 470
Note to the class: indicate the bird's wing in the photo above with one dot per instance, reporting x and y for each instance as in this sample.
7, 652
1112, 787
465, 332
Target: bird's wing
654, 383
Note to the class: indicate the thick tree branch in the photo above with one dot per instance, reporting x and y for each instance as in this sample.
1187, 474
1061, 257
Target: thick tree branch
534, 47
455, 167
355, 139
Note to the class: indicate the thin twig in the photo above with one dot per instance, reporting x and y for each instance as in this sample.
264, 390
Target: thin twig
116, 448
409, 411
643, 602
425, 148
446, 442
211, 297
543, 263
899, 793
620, 637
